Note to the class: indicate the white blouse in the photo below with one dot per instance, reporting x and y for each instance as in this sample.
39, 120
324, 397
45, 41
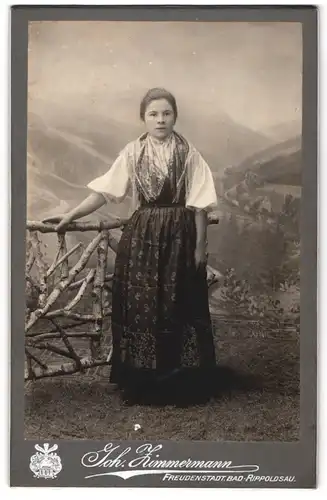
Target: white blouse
115, 183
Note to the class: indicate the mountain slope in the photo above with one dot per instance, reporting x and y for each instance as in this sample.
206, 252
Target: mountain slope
278, 164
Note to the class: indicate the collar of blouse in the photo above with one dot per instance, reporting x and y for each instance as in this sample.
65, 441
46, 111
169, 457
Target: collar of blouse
161, 142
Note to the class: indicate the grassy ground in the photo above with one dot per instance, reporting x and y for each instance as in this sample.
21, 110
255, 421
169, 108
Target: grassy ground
258, 399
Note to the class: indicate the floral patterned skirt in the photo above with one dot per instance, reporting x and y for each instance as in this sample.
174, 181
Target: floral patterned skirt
161, 326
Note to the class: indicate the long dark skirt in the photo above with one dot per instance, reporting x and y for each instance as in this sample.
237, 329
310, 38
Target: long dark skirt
162, 336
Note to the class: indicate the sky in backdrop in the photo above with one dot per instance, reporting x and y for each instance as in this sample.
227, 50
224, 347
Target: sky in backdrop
250, 71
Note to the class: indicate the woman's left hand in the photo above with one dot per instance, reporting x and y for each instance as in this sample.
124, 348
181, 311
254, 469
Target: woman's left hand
200, 255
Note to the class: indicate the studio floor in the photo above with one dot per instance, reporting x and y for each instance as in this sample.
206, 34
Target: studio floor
258, 400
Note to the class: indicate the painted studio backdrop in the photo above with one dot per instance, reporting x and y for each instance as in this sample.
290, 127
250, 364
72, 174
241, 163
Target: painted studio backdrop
238, 88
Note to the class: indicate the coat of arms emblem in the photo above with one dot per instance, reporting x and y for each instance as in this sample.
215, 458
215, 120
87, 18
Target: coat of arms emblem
45, 464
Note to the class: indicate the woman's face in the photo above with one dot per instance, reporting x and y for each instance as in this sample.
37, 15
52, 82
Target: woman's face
159, 118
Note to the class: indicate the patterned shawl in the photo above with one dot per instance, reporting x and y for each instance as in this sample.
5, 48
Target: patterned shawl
149, 176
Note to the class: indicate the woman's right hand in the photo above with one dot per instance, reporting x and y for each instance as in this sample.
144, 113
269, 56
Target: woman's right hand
63, 221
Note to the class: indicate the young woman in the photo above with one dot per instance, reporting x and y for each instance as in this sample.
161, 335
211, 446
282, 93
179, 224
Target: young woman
161, 328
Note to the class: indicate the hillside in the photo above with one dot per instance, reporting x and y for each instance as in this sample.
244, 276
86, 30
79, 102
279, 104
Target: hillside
222, 141
278, 164
284, 130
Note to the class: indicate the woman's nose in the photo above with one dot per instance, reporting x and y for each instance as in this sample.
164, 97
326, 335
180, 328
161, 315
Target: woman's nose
161, 119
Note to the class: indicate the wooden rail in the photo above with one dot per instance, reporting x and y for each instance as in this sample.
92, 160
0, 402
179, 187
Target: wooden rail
63, 340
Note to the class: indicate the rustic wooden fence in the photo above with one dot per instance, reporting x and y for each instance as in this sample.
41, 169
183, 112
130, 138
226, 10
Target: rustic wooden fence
57, 329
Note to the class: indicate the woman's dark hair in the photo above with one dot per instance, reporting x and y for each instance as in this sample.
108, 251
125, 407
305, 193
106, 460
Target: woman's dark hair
154, 95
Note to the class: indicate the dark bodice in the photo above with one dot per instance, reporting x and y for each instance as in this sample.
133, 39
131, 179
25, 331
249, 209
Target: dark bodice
166, 196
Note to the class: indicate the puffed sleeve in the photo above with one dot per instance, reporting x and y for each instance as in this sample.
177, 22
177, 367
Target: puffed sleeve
114, 184
202, 192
